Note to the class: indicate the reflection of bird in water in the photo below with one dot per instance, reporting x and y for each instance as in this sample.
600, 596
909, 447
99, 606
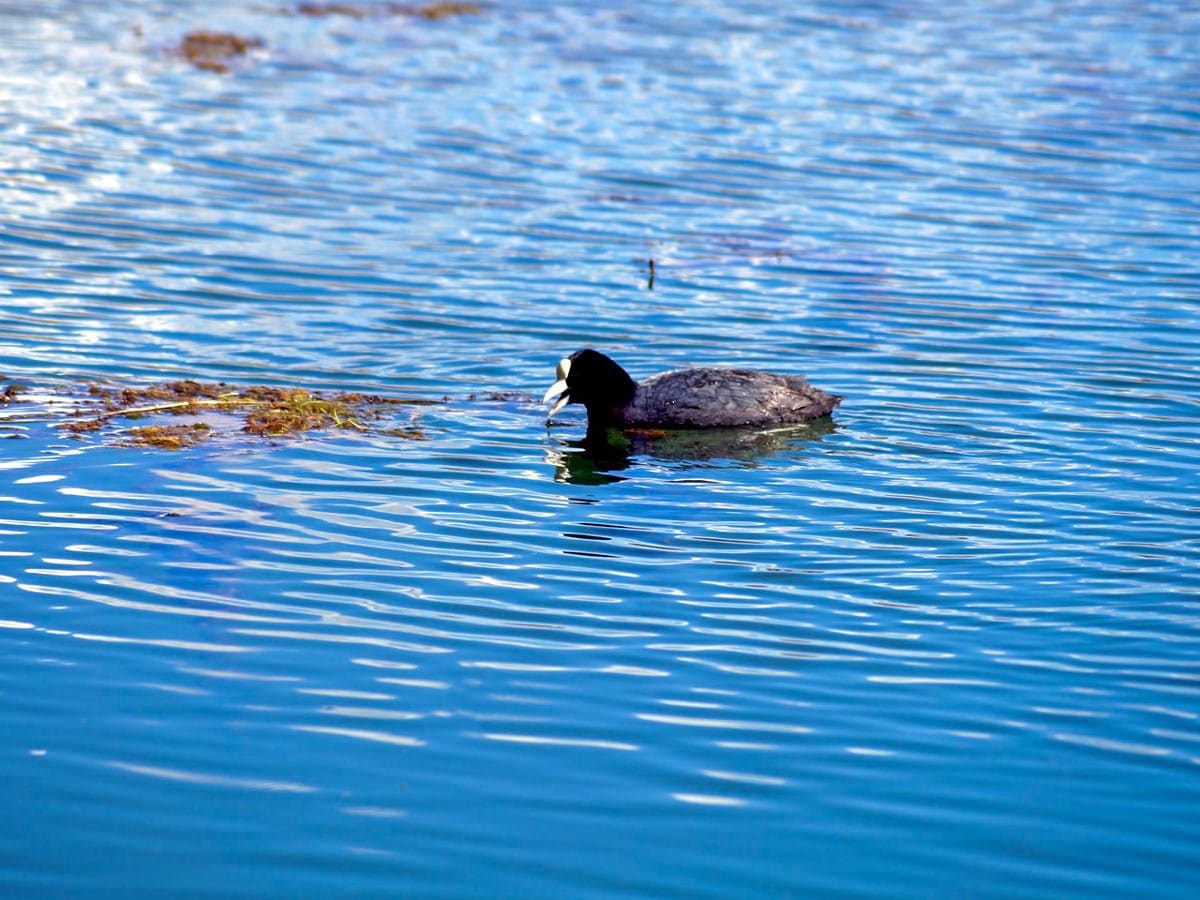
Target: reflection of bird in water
684, 398
602, 454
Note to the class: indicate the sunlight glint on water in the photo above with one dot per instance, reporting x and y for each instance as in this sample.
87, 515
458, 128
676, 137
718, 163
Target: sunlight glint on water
948, 639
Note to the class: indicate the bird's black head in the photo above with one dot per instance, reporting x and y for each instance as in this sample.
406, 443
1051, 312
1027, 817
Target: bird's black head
591, 378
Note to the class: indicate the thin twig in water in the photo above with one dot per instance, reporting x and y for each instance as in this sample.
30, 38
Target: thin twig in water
222, 401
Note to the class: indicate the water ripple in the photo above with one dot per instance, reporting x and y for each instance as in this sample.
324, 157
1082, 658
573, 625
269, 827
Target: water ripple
500, 657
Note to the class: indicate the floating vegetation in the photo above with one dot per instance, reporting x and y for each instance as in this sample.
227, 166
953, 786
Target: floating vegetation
503, 397
435, 11
430, 11
261, 411
168, 437
213, 50
320, 10
279, 412
218, 51
409, 434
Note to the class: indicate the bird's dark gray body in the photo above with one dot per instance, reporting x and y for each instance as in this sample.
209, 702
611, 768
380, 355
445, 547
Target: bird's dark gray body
684, 398
724, 398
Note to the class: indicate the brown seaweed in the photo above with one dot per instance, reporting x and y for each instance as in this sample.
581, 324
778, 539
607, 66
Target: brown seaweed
212, 50
263, 411
166, 437
429, 11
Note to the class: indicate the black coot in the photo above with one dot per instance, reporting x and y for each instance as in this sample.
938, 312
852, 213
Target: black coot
684, 398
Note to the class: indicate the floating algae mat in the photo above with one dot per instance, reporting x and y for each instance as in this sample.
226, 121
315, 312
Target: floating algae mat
212, 51
430, 11
213, 409
222, 51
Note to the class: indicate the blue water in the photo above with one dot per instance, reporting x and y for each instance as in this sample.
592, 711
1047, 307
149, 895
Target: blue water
948, 646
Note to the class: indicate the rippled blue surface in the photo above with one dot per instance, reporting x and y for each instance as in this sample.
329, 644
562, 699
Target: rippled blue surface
949, 647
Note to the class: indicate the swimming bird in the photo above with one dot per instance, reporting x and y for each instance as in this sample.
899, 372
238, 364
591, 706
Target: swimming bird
683, 398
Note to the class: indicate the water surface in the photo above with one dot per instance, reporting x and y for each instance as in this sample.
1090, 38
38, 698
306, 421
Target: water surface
946, 643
